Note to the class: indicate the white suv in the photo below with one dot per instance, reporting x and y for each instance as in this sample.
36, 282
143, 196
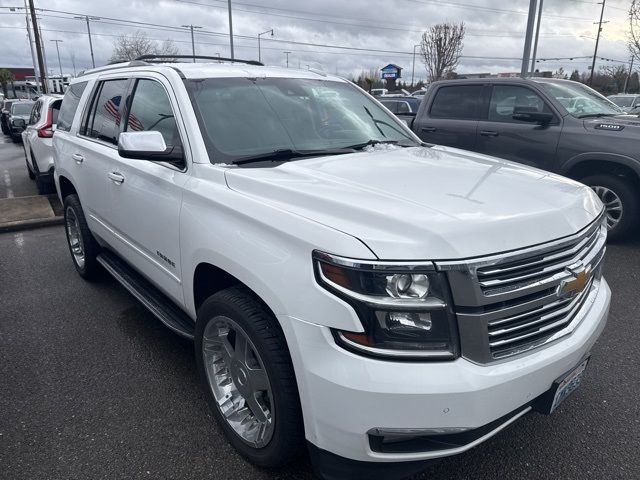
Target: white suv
386, 300
37, 139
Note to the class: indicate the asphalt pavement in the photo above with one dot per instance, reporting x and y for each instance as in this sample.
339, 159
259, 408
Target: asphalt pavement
14, 180
92, 386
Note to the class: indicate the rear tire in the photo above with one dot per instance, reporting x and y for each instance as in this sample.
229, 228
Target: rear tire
232, 385
83, 247
622, 203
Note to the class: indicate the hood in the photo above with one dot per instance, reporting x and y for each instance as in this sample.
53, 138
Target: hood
425, 203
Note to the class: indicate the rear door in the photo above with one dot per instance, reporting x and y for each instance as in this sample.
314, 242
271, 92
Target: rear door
524, 142
146, 196
94, 152
31, 132
451, 116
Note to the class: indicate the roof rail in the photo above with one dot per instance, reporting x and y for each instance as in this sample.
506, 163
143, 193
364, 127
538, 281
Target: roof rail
113, 66
204, 57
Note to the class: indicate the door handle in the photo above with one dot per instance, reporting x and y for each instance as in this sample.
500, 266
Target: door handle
78, 158
429, 129
116, 178
489, 133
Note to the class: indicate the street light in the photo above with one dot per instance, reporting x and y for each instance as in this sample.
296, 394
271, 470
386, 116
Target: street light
260, 34
87, 18
413, 68
287, 54
58, 49
193, 44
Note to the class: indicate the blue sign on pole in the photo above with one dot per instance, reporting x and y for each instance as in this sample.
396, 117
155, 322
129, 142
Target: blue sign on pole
391, 71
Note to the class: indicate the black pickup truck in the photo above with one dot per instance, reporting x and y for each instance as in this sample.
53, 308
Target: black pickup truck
556, 125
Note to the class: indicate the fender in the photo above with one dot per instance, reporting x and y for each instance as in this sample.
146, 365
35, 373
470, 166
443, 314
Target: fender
616, 158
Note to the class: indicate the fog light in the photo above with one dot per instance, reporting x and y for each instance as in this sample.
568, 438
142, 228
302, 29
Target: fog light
405, 322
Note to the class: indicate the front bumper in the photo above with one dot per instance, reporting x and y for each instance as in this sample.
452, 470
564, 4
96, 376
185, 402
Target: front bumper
344, 395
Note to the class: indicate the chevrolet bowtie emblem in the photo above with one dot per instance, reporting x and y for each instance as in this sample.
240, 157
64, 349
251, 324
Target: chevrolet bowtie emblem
572, 287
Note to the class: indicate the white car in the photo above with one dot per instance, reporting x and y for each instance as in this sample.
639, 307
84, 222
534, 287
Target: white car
388, 301
37, 140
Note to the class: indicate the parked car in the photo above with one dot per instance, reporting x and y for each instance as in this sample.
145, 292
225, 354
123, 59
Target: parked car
628, 103
19, 114
377, 92
37, 140
404, 108
388, 301
556, 125
6, 110
420, 93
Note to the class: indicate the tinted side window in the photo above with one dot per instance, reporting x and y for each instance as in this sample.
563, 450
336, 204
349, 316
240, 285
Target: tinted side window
55, 111
151, 110
505, 99
35, 113
403, 107
460, 102
104, 121
70, 105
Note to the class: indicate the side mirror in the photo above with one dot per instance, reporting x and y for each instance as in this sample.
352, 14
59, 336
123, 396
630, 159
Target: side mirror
148, 146
524, 115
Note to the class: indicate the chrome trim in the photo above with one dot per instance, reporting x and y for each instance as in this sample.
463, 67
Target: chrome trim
416, 432
516, 294
429, 303
374, 264
381, 352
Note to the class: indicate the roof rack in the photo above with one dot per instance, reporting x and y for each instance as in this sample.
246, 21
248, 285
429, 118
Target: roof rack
205, 57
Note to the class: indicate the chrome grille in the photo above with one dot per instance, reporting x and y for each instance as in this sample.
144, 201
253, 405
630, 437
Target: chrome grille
510, 303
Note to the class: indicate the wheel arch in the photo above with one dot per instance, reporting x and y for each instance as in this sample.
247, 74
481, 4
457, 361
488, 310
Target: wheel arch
209, 279
604, 163
66, 187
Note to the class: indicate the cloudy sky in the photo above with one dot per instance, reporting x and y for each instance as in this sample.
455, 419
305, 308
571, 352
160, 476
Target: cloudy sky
335, 35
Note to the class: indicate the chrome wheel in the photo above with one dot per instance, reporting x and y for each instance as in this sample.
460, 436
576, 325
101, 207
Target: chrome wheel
612, 205
238, 380
74, 237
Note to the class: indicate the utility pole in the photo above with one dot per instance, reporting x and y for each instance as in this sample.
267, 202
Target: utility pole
287, 54
59, 62
413, 67
626, 82
595, 52
36, 34
44, 56
535, 43
526, 54
193, 43
87, 18
263, 33
33, 53
231, 31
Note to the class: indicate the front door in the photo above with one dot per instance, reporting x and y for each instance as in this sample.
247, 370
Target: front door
146, 196
524, 142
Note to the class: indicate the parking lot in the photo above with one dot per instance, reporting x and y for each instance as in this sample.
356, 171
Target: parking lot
93, 386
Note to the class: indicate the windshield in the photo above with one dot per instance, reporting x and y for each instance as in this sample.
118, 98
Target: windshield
580, 100
245, 117
622, 101
22, 108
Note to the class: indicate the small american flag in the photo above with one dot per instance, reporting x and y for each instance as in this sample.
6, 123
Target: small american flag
112, 107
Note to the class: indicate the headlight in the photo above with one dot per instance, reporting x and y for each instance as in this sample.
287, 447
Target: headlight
404, 307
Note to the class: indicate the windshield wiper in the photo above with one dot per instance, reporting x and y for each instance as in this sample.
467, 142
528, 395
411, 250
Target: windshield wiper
286, 154
373, 141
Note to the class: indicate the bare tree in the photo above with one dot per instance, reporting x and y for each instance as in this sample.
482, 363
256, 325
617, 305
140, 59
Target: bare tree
129, 47
441, 47
618, 75
634, 29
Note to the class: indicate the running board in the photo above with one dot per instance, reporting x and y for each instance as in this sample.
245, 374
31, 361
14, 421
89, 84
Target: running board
147, 294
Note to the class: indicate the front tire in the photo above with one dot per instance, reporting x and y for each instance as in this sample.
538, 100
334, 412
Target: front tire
82, 246
248, 377
621, 202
